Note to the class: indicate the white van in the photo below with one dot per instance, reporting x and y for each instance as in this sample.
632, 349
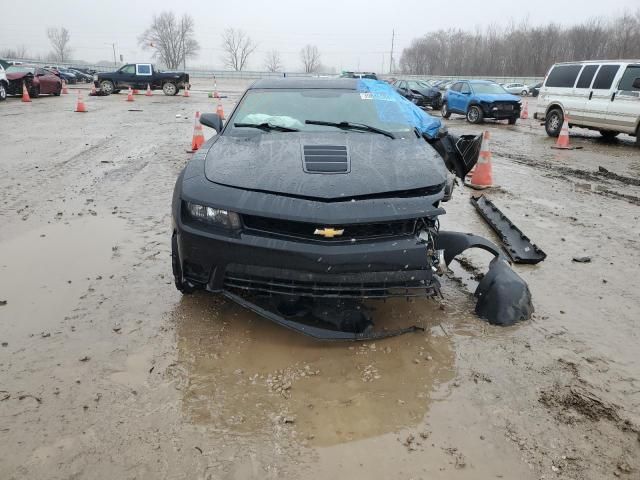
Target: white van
599, 95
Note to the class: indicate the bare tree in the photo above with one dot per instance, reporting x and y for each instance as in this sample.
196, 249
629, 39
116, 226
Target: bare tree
310, 58
18, 52
520, 49
272, 62
59, 38
172, 39
237, 47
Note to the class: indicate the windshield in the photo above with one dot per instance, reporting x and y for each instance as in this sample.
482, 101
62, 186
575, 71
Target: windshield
290, 108
488, 88
16, 69
415, 85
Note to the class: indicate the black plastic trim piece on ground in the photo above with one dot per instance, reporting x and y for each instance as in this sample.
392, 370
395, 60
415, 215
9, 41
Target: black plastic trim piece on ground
317, 332
517, 245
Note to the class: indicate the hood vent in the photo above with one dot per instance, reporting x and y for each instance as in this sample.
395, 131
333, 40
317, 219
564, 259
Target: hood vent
326, 159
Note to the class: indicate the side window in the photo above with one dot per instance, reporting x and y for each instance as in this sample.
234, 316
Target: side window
605, 76
563, 76
586, 76
456, 87
129, 69
143, 69
630, 74
464, 88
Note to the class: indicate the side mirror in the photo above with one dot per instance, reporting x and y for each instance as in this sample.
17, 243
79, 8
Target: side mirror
212, 120
636, 83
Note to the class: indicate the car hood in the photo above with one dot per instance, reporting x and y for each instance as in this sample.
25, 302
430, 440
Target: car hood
427, 92
497, 97
274, 162
18, 75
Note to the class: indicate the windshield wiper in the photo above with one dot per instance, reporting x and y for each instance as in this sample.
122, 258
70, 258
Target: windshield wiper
266, 126
351, 126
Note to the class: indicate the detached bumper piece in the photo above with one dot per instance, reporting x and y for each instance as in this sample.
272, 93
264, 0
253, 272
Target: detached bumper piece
503, 297
517, 244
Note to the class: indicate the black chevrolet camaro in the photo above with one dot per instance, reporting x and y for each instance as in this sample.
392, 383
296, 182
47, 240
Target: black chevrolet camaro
315, 195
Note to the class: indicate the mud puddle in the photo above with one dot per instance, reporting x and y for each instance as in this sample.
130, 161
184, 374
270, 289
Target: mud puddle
44, 271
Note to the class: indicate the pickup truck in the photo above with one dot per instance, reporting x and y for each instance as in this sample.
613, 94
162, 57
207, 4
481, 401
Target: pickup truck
139, 75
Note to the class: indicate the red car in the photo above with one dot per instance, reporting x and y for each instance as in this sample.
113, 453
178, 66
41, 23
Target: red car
38, 81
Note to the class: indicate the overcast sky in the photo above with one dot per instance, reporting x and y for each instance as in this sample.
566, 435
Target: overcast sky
350, 34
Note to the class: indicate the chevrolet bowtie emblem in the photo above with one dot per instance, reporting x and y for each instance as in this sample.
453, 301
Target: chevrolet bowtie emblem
328, 232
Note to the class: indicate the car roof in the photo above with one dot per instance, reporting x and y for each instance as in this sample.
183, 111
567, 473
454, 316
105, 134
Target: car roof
580, 62
303, 83
480, 81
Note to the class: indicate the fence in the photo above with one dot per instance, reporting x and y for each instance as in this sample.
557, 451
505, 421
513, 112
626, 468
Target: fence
254, 75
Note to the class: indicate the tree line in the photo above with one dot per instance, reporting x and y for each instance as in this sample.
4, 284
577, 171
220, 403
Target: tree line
519, 49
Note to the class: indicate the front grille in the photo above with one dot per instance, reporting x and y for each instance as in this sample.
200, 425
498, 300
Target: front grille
328, 287
357, 231
326, 159
507, 107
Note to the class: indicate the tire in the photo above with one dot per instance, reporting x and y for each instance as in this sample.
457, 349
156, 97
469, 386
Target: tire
475, 115
553, 122
58, 91
444, 110
170, 89
185, 287
608, 134
524, 93
108, 87
3, 92
638, 137
34, 91
513, 120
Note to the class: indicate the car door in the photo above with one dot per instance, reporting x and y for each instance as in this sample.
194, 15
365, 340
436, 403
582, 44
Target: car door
125, 77
46, 80
600, 96
464, 96
575, 103
144, 74
453, 97
624, 110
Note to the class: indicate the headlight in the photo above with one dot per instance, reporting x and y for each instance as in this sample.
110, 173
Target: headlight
214, 216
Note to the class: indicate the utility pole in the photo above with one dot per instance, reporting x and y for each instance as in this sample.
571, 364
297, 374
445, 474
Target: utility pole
393, 37
115, 62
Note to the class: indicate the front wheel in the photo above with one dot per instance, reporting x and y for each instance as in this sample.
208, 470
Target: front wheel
34, 91
3, 92
107, 87
170, 88
524, 93
475, 115
444, 110
513, 120
58, 91
553, 122
608, 134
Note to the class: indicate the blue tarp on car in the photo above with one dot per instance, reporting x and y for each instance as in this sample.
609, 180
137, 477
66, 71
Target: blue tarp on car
393, 107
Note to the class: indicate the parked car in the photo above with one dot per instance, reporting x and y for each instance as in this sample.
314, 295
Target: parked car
535, 90
139, 75
38, 81
480, 99
341, 204
598, 95
369, 75
87, 71
81, 76
517, 88
63, 73
420, 93
4, 84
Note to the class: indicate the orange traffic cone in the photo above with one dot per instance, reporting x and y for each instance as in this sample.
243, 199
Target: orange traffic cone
563, 138
65, 90
130, 95
25, 93
198, 137
525, 111
483, 174
220, 111
215, 88
80, 106
186, 91
148, 93
136, 91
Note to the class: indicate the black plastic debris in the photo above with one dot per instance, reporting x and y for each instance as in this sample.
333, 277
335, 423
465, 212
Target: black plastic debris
517, 245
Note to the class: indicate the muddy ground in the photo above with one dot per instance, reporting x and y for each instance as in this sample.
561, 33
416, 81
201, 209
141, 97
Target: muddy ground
106, 371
